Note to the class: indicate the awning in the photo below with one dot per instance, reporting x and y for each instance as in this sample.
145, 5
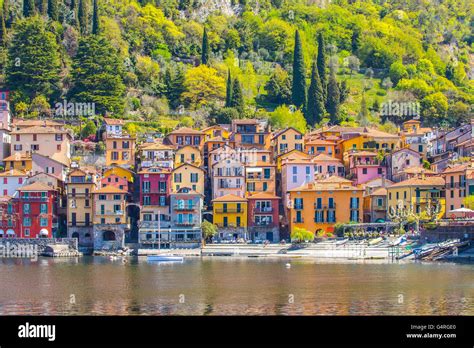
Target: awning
1, 232
253, 170
44, 232
11, 232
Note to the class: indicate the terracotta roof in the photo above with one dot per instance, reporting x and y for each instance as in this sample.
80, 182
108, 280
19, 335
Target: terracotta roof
229, 198
335, 179
282, 131
187, 164
40, 130
5, 198
427, 181
186, 130
18, 157
36, 186
32, 123
322, 157
263, 195
411, 121
405, 149
13, 172
382, 191
362, 153
379, 134
456, 169
417, 170
157, 147
110, 189
113, 121
321, 186
379, 180
319, 142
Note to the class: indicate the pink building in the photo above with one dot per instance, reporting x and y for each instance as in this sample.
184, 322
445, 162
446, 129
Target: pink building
115, 181
456, 187
364, 166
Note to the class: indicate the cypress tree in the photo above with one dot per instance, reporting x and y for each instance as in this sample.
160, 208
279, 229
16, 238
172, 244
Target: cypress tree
6, 13
95, 19
44, 7
53, 9
3, 30
298, 91
28, 8
228, 91
74, 20
333, 98
355, 40
322, 64
315, 106
364, 112
205, 48
237, 99
82, 16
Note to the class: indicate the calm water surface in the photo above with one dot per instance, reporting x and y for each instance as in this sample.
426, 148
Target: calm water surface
224, 286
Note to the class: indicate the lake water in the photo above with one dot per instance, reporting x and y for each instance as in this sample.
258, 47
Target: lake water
230, 286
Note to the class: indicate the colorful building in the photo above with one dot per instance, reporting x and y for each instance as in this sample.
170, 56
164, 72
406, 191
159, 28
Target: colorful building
456, 187
120, 150
230, 216
263, 217
260, 177
188, 175
318, 146
365, 166
287, 139
375, 206
228, 178
19, 161
251, 133
80, 186
110, 217
318, 206
185, 136
11, 180
157, 155
188, 154
401, 159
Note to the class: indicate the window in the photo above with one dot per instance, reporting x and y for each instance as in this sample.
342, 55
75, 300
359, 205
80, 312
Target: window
27, 221
266, 173
117, 197
238, 221
298, 203
194, 177
26, 208
265, 186
146, 186
102, 197
44, 208
17, 137
18, 147
35, 147
177, 177
5, 180
364, 170
146, 200
44, 222
59, 137
27, 232
379, 170
162, 200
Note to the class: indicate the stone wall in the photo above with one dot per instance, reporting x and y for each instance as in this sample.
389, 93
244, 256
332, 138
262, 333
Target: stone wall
442, 233
41, 242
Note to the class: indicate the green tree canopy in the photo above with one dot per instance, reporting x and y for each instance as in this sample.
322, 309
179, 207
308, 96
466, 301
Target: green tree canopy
298, 91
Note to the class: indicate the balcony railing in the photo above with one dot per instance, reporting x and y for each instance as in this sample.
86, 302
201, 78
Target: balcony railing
298, 207
185, 207
40, 199
298, 221
229, 186
229, 210
185, 223
324, 206
110, 212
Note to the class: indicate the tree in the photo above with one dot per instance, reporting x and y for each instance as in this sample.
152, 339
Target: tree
44, 7
39, 107
321, 62
202, 86
315, 107
228, 90
95, 19
353, 64
343, 91
298, 91
34, 65
397, 72
364, 112
387, 83
333, 98
208, 230
3, 30
174, 84
356, 40
469, 202
89, 129
82, 17
53, 9
278, 87
28, 8
97, 75
434, 108
283, 117
224, 115
205, 48
299, 235
237, 100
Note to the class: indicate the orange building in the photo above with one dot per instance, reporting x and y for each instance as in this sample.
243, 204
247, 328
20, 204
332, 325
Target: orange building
320, 205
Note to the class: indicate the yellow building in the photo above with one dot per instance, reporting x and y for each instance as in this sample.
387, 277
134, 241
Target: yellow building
216, 131
260, 177
188, 175
109, 206
287, 140
19, 161
418, 192
230, 211
120, 150
318, 206
121, 172
188, 154
81, 184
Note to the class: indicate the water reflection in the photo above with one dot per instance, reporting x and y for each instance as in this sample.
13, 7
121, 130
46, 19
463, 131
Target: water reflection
100, 286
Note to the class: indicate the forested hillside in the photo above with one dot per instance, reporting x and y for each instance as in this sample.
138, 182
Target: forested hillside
192, 62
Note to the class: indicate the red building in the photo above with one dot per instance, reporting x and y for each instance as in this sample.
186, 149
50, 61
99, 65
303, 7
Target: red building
36, 211
115, 181
263, 216
8, 217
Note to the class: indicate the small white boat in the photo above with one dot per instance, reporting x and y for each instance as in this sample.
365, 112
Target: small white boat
165, 258
342, 242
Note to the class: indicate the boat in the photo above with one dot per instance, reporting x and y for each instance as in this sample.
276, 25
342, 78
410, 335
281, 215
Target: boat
342, 242
375, 241
165, 258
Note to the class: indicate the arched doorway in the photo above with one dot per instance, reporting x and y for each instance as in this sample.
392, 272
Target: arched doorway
108, 236
75, 235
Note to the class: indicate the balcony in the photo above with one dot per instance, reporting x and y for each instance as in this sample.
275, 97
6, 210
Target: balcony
162, 191
324, 206
222, 225
185, 223
229, 186
298, 207
34, 199
259, 177
185, 207
79, 195
79, 223
263, 210
229, 210
111, 213
298, 221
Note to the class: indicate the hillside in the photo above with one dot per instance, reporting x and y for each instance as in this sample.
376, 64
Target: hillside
142, 60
